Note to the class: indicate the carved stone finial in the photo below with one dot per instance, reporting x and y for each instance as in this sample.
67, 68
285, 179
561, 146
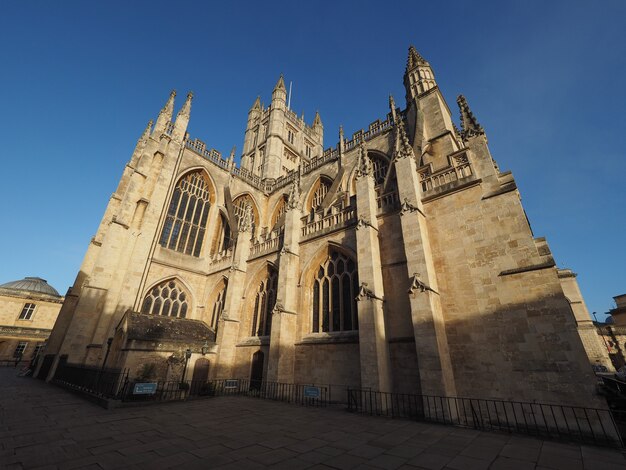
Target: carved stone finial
392, 108
469, 124
340, 132
186, 109
231, 157
146, 132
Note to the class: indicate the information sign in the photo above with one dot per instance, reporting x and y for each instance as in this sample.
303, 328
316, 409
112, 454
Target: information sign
232, 383
145, 389
311, 392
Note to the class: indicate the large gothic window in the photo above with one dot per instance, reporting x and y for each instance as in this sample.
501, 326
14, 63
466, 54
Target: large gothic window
167, 298
185, 223
335, 288
264, 304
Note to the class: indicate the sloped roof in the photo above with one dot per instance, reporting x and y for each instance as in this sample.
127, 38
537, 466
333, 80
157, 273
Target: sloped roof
160, 328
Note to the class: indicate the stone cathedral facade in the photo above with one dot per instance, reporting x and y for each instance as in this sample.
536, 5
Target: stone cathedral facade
399, 259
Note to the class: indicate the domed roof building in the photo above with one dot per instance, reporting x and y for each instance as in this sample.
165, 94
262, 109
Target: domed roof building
31, 285
28, 310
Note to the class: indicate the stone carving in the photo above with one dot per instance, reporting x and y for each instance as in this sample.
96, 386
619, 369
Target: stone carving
366, 293
365, 164
408, 207
293, 202
418, 285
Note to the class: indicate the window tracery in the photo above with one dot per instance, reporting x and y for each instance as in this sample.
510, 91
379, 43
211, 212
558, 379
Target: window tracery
168, 299
239, 205
335, 289
264, 302
185, 224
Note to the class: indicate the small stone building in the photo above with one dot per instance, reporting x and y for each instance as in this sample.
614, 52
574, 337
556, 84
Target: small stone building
398, 259
28, 309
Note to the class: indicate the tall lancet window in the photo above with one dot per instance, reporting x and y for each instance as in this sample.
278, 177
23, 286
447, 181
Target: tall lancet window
168, 298
335, 288
186, 219
218, 308
264, 304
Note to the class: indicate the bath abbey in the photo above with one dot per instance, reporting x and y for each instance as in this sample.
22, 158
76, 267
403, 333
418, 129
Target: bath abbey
397, 259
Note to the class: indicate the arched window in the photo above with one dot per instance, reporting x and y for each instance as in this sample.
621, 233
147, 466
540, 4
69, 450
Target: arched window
264, 304
240, 204
380, 167
167, 298
218, 307
280, 210
335, 289
320, 189
185, 223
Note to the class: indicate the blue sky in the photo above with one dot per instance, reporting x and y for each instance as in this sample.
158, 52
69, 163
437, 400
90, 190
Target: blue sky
81, 79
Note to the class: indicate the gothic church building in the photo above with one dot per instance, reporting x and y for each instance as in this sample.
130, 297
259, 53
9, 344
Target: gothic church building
399, 259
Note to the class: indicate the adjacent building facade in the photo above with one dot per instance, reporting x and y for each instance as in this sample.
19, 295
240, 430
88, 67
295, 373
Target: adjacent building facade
400, 259
28, 309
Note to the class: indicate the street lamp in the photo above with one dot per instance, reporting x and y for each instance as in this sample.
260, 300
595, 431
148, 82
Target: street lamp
205, 347
187, 356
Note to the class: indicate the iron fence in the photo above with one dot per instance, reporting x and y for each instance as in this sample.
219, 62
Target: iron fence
570, 423
100, 382
302, 394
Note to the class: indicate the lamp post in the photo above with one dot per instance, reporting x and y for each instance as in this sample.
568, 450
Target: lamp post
603, 338
187, 356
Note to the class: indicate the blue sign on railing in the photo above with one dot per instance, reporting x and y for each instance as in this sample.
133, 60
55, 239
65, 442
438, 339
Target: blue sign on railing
145, 389
311, 392
232, 383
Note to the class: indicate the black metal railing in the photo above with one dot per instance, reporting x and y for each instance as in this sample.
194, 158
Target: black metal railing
104, 383
570, 423
302, 394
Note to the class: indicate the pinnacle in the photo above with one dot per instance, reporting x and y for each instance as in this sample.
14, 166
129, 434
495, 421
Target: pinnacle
280, 85
257, 103
414, 59
469, 124
317, 121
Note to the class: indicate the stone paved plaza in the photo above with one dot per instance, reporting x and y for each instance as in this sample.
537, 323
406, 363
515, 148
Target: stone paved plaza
42, 426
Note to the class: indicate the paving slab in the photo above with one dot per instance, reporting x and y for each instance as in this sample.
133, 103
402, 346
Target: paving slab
46, 427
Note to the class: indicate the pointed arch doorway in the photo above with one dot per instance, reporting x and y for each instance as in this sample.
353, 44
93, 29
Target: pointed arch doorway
256, 370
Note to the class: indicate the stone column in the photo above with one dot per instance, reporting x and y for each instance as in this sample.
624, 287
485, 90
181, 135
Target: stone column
373, 348
283, 335
228, 331
433, 355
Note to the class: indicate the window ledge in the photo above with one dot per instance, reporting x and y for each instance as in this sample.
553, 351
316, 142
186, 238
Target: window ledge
330, 337
254, 341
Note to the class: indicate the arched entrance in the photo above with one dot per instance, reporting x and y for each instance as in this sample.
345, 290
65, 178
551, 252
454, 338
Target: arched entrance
256, 371
200, 375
